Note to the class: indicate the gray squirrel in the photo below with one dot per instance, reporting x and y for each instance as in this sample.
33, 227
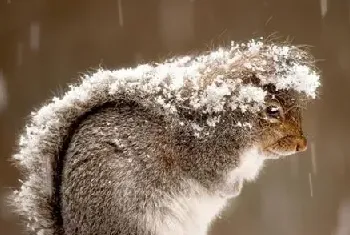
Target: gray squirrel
158, 149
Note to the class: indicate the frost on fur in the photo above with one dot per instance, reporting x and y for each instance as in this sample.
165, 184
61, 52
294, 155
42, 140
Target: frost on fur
209, 83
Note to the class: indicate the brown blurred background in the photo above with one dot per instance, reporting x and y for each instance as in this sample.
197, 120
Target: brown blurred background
44, 44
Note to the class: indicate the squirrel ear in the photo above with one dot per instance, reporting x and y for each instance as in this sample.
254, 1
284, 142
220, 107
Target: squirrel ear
270, 88
252, 79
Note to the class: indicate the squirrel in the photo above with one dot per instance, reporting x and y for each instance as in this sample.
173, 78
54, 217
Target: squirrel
160, 148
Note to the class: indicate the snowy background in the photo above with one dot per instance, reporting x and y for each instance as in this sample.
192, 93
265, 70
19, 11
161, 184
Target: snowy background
45, 44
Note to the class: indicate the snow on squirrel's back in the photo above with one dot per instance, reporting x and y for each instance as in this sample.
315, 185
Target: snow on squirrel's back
205, 82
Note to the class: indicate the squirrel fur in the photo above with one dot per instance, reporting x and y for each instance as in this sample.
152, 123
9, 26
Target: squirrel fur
160, 148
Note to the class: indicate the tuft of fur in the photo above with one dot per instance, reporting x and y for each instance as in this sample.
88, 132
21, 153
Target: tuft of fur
155, 149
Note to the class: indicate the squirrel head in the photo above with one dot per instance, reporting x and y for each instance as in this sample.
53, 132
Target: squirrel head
252, 93
279, 127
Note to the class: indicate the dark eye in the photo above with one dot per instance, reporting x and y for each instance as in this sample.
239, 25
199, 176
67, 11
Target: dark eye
273, 111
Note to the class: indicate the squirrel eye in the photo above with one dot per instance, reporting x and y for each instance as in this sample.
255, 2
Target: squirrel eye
274, 113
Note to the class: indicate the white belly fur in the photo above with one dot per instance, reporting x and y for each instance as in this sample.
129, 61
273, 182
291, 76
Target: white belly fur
192, 214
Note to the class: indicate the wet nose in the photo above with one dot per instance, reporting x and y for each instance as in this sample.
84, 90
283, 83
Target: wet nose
301, 144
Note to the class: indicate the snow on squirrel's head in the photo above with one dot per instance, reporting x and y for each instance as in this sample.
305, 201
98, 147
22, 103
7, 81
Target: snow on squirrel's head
256, 90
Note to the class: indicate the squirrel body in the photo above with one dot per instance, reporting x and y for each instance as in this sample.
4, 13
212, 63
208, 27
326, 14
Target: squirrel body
159, 148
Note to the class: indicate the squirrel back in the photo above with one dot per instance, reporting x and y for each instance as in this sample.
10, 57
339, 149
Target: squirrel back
159, 148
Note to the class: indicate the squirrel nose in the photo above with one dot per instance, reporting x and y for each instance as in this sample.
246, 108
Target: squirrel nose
301, 144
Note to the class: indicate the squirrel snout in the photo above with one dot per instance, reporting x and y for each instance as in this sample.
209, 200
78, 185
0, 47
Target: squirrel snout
301, 144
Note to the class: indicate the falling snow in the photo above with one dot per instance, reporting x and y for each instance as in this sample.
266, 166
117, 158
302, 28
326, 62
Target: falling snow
311, 186
120, 12
324, 7
34, 38
3, 92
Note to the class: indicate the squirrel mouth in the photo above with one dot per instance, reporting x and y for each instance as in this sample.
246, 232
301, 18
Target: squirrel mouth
271, 153
285, 146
